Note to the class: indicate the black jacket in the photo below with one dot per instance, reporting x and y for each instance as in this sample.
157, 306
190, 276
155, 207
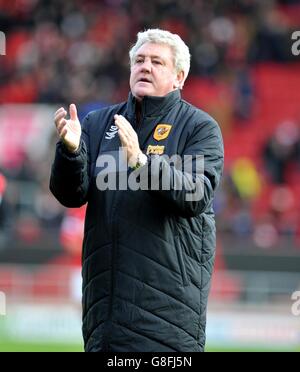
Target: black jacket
147, 255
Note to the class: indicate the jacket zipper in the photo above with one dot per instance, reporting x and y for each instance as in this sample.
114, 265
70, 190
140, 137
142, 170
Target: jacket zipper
113, 254
113, 266
139, 126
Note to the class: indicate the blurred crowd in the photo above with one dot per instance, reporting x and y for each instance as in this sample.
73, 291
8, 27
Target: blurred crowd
77, 51
261, 202
62, 51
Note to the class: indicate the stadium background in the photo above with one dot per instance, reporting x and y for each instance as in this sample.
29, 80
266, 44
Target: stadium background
243, 73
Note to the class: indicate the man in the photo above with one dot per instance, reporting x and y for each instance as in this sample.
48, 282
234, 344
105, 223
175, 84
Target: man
147, 254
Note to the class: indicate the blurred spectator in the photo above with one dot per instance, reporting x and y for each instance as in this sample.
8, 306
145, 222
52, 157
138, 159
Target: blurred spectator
232, 209
47, 209
240, 187
281, 150
284, 211
71, 234
265, 234
243, 92
2, 190
271, 41
3, 211
246, 178
280, 219
2, 186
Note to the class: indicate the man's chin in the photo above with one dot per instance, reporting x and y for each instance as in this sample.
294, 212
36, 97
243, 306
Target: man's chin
141, 93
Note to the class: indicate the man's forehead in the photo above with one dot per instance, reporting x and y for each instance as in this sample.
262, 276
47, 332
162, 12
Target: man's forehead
154, 50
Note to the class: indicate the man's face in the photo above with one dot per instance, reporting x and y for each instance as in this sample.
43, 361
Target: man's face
153, 72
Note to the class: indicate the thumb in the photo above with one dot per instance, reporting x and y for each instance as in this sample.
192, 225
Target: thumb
73, 112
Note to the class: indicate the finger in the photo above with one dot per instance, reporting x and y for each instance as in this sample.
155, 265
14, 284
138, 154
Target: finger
122, 138
73, 111
60, 112
117, 120
63, 133
122, 118
125, 123
60, 116
61, 125
128, 139
61, 109
122, 121
120, 125
125, 130
122, 130
128, 128
128, 134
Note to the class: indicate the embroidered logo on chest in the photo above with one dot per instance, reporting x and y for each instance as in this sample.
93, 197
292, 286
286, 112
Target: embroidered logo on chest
113, 130
155, 150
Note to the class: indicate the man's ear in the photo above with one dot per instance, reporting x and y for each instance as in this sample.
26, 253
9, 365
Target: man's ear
179, 80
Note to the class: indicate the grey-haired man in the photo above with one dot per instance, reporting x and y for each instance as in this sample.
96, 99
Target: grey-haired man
148, 254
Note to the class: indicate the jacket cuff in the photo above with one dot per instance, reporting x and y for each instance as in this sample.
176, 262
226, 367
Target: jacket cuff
68, 154
67, 162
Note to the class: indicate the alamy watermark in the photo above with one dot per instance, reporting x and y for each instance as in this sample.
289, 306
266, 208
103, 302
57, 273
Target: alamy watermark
296, 44
164, 173
296, 303
2, 44
2, 303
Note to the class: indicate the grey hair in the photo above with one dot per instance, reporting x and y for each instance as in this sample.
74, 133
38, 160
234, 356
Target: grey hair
180, 50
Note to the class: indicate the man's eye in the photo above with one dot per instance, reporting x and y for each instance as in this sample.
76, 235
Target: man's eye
157, 62
139, 60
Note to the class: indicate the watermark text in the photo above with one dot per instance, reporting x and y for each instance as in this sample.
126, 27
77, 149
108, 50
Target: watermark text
2, 44
165, 173
2, 303
296, 44
296, 304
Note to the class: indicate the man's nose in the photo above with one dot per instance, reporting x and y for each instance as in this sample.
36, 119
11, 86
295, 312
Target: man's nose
146, 66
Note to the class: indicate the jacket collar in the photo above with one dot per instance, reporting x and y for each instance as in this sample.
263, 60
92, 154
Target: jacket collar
153, 106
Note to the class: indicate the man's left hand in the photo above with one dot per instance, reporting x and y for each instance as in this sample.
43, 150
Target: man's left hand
129, 139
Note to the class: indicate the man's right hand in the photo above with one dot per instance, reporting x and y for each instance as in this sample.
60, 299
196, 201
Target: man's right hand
68, 130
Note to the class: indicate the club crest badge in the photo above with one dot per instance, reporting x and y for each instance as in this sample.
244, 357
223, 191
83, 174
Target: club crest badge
162, 131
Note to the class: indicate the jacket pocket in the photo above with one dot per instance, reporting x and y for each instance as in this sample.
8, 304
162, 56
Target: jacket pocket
181, 261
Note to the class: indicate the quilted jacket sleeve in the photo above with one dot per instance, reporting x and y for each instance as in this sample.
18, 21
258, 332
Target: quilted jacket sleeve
69, 180
190, 188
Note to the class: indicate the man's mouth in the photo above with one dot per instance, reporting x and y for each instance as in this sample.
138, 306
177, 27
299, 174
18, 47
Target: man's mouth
144, 80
